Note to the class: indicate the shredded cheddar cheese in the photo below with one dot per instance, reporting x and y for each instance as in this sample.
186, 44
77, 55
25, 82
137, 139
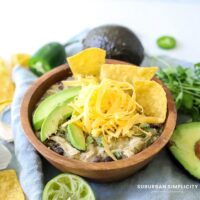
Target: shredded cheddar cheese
81, 81
107, 109
115, 98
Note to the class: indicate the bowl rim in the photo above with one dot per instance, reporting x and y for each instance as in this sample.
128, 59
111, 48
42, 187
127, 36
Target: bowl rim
145, 154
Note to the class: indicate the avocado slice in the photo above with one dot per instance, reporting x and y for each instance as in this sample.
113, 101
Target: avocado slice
48, 105
76, 137
185, 146
54, 119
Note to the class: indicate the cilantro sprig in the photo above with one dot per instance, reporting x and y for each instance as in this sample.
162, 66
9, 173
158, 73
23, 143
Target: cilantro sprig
184, 84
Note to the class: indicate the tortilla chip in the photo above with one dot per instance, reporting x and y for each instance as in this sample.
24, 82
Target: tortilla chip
9, 186
7, 86
3, 67
6, 89
21, 59
129, 73
4, 104
87, 62
152, 97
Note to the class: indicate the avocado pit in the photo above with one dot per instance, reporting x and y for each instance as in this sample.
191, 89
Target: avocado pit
197, 149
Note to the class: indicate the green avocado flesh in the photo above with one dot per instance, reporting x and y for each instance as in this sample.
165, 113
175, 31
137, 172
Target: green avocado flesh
50, 103
183, 144
54, 119
76, 137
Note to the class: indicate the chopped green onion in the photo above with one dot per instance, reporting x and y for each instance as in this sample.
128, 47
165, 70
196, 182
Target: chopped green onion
144, 125
118, 155
99, 141
89, 140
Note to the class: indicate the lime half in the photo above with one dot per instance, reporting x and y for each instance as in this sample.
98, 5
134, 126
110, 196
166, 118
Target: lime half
67, 187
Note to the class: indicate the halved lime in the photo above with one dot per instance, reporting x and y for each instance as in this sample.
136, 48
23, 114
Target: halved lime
67, 187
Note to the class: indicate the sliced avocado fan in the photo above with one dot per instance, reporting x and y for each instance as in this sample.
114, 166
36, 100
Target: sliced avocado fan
185, 146
76, 137
50, 103
54, 119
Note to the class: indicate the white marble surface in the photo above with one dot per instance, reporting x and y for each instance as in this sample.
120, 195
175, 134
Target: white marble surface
26, 25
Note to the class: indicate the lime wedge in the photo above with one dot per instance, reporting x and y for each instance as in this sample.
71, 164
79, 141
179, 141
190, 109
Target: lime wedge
67, 187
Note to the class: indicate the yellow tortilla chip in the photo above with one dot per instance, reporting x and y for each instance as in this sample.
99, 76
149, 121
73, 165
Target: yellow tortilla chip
10, 188
4, 104
21, 59
6, 89
87, 62
129, 73
7, 86
3, 68
152, 97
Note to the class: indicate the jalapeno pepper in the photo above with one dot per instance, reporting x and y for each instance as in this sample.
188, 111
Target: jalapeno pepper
166, 42
47, 57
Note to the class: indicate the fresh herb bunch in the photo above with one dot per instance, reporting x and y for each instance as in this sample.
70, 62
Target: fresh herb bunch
184, 84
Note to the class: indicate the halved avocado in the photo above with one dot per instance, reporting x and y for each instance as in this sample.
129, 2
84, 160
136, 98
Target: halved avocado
185, 146
54, 119
51, 102
118, 41
76, 137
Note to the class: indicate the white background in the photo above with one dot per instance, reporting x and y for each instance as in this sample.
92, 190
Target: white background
25, 25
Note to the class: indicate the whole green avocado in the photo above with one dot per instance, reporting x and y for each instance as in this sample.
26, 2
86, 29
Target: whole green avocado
118, 41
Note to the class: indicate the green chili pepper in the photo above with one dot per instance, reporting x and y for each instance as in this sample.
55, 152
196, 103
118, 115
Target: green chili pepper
166, 42
118, 155
47, 57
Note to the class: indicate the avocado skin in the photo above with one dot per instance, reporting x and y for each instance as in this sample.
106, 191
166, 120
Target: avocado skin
118, 41
182, 146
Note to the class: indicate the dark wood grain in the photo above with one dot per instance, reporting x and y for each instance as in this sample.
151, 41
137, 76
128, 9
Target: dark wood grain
104, 172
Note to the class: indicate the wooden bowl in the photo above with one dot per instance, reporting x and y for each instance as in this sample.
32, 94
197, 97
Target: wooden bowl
103, 171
